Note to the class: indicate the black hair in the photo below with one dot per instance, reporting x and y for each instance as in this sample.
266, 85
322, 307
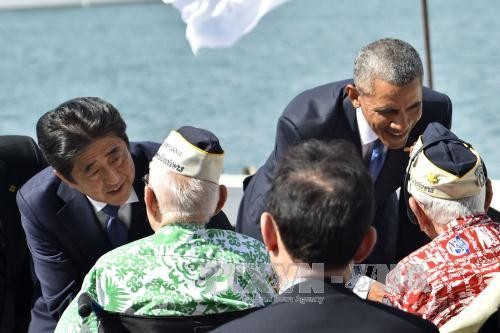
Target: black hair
322, 199
66, 131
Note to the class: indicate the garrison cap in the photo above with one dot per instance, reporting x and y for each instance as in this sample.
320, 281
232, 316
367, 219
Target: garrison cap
192, 152
446, 167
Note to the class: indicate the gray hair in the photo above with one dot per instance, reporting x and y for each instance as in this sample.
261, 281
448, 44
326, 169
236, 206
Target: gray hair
181, 198
442, 211
390, 60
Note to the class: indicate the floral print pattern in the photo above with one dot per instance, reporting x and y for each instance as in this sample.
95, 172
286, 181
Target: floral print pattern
183, 269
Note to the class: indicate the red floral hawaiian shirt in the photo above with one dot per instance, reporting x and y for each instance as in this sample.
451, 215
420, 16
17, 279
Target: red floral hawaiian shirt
438, 280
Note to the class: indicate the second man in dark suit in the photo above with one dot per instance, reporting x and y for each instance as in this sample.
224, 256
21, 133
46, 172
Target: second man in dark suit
382, 110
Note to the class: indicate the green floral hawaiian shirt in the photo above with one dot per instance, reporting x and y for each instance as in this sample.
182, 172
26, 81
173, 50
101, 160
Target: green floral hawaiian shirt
183, 269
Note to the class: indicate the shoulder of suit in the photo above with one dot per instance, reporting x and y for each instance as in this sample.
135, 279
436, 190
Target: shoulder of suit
313, 112
317, 102
403, 318
42, 192
45, 180
327, 91
143, 149
429, 95
144, 145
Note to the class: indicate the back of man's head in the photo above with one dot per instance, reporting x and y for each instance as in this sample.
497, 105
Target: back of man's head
64, 132
322, 200
390, 60
184, 175
446, 175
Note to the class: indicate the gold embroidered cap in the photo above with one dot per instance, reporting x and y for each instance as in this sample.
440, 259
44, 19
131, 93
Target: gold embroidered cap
447, 168
192, 152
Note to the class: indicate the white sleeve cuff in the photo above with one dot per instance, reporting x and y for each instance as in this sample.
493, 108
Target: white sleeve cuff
362, 286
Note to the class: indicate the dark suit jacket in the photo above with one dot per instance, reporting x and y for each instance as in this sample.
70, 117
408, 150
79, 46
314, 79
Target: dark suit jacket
340, 311
20, 159
66, 239
326, 113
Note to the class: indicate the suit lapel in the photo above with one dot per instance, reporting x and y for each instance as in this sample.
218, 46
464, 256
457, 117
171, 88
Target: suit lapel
78, 218
392, 173
350, 113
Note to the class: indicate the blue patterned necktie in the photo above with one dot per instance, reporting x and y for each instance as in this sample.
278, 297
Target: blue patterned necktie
117, 231
377, 158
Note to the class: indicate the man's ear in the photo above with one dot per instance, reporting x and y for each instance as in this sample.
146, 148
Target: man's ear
489, 195
353, 94
64, 179
366, 246
269, 232
152, 208
222, 199
419, 213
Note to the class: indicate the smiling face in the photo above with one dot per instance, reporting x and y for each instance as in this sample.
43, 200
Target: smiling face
391, 111
104, 171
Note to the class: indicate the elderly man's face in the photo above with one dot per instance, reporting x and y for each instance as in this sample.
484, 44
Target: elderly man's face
104, 171
392, 111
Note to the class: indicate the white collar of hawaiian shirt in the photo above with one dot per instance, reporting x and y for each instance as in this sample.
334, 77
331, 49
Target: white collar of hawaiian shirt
461, 223
182, 225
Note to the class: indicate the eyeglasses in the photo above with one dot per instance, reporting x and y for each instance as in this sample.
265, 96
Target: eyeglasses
145, 179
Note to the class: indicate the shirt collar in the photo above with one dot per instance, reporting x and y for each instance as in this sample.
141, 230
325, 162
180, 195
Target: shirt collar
181, 225
98, 205
463, 222
366, 134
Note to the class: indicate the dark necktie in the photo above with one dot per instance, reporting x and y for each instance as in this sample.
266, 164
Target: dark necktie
377, 158
117, 231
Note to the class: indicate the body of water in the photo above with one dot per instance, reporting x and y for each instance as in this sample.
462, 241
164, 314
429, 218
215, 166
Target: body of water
136, 57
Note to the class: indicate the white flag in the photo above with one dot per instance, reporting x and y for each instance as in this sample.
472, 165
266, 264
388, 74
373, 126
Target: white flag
220, 23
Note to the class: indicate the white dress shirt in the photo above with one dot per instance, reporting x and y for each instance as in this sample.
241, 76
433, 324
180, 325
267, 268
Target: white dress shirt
366, 134
124, 213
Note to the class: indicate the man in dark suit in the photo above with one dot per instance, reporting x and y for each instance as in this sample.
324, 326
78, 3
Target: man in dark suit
89, 201
20, 159
318, 223
381, 111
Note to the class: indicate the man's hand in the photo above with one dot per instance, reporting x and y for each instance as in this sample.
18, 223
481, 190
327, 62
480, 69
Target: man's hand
377, 292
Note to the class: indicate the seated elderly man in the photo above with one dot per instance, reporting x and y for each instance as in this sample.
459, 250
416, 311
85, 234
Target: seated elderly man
184, 268
319, 215
446, 188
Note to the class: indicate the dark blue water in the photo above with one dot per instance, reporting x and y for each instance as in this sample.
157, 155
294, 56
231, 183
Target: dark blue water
136, 57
